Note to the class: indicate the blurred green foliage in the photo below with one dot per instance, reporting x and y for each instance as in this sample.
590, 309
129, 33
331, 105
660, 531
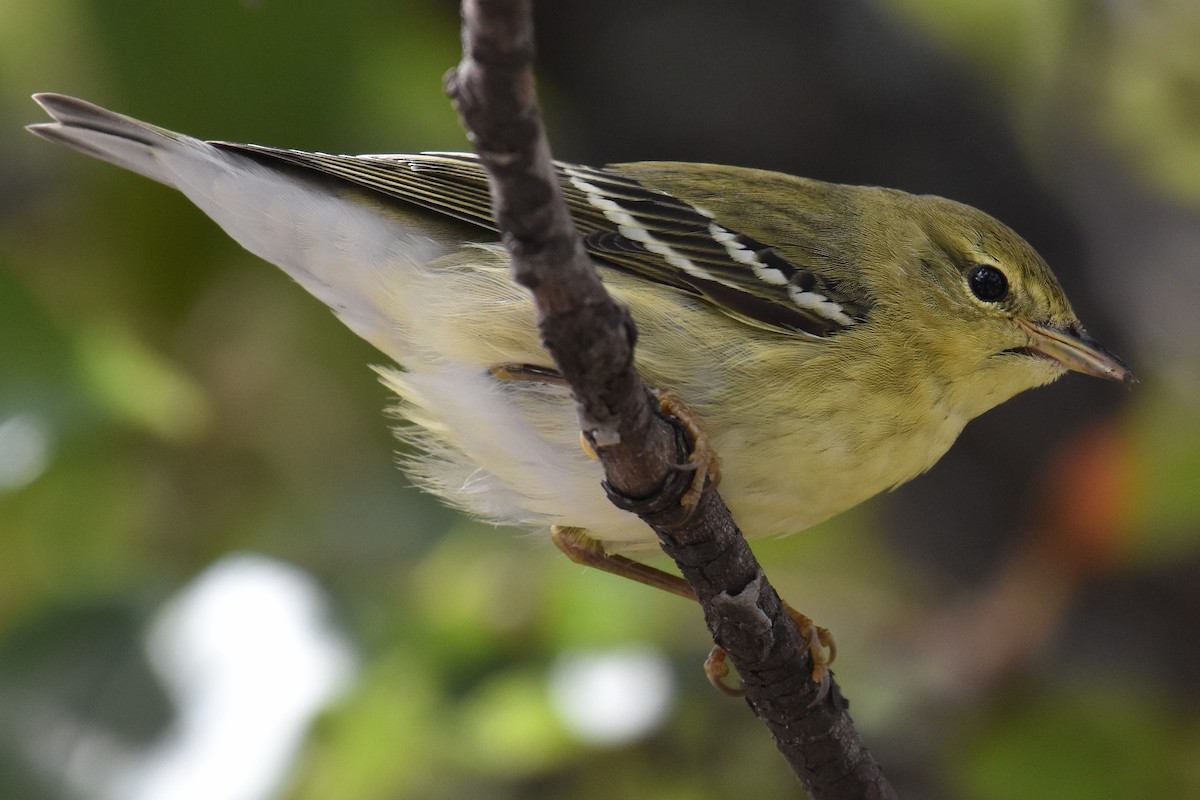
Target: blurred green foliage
167, 399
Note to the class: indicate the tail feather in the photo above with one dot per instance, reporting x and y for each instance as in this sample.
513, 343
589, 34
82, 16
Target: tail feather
107, 135
354, 256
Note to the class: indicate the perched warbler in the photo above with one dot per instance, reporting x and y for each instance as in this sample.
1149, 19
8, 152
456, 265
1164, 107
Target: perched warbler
832, 340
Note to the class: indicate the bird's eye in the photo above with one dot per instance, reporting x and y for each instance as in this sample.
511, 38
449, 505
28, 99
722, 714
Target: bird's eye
988, 283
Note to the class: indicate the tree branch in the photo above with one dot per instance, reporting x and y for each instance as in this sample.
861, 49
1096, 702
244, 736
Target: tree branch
591, 339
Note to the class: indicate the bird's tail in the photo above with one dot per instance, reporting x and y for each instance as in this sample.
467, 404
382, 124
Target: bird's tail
356, 255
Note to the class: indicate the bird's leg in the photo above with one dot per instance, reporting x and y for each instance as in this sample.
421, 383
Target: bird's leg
581, 548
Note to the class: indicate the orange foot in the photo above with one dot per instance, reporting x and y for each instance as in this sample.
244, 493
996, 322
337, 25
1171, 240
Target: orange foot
703, 459
821, 649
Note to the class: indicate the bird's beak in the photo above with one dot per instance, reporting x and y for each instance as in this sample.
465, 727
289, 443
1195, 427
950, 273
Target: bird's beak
1077, 351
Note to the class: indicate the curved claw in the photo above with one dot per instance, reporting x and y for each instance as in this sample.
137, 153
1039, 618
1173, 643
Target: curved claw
821, 649
823, 686
703, 459
716, 668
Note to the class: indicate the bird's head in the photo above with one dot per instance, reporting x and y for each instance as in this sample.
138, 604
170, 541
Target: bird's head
989, 309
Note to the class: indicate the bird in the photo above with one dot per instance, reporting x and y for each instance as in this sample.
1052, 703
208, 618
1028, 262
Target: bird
832, 341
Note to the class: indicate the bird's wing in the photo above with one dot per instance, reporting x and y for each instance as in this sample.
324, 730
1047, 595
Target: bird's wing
626, 225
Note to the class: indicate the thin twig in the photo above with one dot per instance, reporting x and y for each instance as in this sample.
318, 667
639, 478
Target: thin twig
591, 339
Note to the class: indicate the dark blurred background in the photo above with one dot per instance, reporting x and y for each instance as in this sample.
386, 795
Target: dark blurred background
214, 583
